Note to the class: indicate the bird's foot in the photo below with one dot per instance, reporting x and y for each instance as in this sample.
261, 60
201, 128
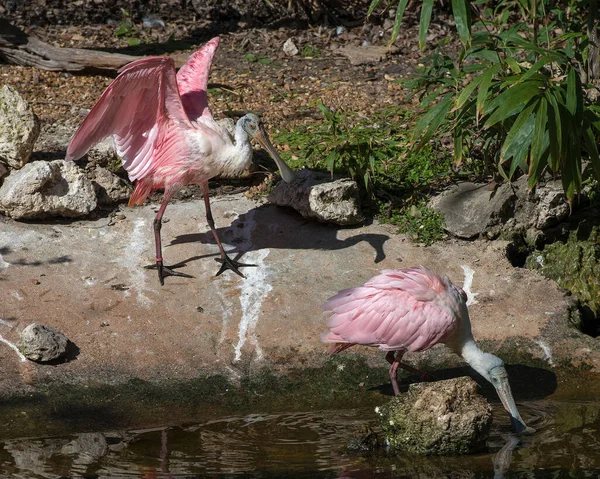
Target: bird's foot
164, 271
233, 265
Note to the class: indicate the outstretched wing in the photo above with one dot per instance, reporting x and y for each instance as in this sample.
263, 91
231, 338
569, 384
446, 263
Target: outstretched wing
192, 80
138, 108
397, 310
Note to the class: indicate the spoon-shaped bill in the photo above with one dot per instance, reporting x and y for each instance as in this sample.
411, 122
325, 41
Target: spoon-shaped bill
505, 394
286, 173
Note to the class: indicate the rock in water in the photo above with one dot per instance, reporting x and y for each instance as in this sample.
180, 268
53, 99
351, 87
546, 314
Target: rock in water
316, 196
42, 343
444, 418
19, 128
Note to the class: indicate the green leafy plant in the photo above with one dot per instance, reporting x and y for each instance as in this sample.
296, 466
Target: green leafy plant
345, 144
520, 106
128, 31
310, 51
258, 58
418, 221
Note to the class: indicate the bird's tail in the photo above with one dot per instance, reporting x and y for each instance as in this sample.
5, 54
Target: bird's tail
141, 191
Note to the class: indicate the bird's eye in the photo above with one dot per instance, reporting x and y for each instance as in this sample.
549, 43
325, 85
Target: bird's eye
252, 126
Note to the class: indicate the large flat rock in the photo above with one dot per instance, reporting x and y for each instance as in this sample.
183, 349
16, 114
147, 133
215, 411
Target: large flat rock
87, 279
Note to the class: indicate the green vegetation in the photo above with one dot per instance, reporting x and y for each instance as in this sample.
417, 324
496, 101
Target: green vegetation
262, 59
515, 93
374, 152
310, 51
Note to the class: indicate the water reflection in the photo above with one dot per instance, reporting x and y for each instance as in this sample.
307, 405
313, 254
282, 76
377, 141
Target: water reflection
310, 444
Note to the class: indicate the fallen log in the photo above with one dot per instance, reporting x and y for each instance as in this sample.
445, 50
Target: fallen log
21, 49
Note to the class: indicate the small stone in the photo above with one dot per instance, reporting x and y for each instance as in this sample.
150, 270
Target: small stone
42, 343
290, 48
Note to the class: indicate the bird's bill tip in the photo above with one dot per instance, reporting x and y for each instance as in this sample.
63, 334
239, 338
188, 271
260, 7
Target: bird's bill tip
505, 394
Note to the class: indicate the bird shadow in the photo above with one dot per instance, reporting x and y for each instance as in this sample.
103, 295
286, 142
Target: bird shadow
527, 383
272, 227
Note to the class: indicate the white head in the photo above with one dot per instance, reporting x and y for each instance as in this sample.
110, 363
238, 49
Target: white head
253, 126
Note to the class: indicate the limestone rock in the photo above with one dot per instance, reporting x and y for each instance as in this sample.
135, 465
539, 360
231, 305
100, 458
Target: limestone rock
19, 128
42, 343
445, 417
316, 196
542, 208
109, 187
104, 153
290, 48
471, 209
42, 189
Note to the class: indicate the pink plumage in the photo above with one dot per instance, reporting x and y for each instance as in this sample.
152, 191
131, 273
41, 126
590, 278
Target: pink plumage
413, 309
166, 135
406, 309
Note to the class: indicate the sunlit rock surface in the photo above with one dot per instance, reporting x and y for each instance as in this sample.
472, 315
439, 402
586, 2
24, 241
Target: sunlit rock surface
44, 189
445, 417
317, 196
19, 128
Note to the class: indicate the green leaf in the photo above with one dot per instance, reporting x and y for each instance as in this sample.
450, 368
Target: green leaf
574, 101
133, 42
486, 81
462, 19
425, 19
429, 123
326, 111
512, 101
554, 130
458, 149
398, 19
536, 66
513, 65
466, 93
540, 140
519, 137
374, 4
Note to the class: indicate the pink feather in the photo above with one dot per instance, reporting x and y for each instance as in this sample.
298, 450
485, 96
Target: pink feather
406, 309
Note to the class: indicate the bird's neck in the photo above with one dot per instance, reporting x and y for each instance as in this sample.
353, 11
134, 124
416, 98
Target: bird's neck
474, 356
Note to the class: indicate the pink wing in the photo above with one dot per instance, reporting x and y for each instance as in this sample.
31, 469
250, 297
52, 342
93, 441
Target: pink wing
397, 310
192, 80
138, 108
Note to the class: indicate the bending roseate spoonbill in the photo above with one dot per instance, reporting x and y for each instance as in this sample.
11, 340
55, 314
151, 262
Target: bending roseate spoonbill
412, 309
167, 137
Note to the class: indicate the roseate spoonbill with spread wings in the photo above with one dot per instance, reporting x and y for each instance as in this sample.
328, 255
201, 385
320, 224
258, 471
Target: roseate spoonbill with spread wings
412, 309
167, 137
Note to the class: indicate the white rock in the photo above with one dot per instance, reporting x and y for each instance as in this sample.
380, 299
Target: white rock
290, 48
43, 189
42, 343
316, 196
19, 128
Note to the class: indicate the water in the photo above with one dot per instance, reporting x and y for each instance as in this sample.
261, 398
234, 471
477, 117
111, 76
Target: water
309, 444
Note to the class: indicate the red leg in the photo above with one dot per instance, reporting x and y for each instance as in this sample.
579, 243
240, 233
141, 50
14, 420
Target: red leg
395, 363
226, 261
163, 271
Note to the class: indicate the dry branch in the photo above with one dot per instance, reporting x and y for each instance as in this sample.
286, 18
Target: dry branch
19, 48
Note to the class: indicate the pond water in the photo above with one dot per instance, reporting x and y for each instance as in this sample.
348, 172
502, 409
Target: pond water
310, 444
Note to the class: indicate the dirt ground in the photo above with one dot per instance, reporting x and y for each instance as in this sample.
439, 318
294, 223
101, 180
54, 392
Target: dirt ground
250, 70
